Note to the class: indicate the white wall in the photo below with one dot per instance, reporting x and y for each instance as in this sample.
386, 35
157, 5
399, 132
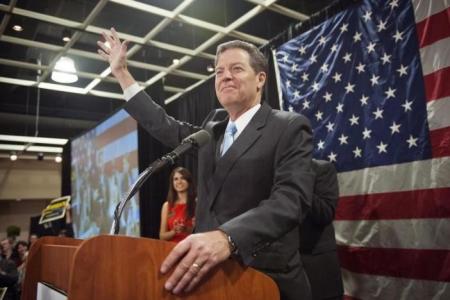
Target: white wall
26, 187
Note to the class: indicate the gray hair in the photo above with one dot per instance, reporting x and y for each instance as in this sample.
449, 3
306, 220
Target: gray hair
258, 61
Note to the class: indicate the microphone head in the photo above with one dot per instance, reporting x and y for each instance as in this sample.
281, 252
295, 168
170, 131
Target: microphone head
198, 138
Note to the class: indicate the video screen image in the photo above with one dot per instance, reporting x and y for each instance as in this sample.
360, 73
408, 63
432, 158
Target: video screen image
104, 166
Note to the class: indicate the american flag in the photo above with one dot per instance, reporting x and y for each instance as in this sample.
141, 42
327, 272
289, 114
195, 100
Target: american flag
374, 80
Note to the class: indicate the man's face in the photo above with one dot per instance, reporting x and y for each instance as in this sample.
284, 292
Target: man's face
5, 245
237, 85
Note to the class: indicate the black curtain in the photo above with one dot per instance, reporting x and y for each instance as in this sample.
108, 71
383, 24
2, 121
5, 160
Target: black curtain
154, 191
193, 107
65, 171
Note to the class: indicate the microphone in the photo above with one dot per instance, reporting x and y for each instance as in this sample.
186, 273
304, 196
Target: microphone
195, 140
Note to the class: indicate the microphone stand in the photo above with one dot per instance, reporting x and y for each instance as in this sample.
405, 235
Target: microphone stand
154, 167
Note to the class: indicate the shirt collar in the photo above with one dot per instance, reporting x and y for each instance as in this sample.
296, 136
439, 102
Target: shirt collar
244, 119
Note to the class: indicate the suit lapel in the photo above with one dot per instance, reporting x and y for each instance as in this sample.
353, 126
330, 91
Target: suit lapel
245, 140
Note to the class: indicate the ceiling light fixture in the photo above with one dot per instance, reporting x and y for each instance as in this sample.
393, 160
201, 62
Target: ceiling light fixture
58, 158
63, 65
17, 28
176, 61
66, 34
210, 68
13, 156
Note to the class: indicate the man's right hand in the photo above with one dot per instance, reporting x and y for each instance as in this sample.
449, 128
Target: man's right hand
116, 55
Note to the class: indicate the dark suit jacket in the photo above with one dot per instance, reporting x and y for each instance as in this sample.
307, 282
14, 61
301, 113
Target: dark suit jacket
256, 192
317, 239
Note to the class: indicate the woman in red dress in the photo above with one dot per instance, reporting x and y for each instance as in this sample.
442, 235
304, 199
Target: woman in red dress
177, 213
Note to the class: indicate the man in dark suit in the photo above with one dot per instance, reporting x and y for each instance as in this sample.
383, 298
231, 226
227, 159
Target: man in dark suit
254, 179
317, 240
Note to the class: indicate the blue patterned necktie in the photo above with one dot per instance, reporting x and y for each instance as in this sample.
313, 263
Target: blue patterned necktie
228, 138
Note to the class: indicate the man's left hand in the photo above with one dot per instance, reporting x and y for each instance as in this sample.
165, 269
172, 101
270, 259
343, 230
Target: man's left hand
194, 257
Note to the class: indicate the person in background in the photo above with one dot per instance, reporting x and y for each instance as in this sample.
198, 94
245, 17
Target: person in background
8, 277
8, 251
32, 239
177, 213
317, 239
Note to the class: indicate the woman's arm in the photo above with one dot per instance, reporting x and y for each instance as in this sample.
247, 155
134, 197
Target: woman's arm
164, 233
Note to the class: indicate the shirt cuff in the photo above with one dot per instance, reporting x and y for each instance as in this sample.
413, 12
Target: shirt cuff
131, 91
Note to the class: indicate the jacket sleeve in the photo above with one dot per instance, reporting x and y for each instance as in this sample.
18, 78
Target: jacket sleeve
154, 119
326, 193
289, 199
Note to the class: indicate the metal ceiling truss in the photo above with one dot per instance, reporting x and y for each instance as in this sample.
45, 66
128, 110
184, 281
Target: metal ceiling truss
139, 42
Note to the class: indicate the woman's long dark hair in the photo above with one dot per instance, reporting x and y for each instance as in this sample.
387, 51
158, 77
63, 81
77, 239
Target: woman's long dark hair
172, 195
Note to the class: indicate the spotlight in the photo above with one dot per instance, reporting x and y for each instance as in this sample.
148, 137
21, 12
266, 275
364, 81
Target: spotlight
66, 34
176, 61
210, 68
17, 28
40, 156
58, 158
13, 156
64, 65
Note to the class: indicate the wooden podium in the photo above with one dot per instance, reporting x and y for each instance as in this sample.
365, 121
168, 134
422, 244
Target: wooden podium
120, 267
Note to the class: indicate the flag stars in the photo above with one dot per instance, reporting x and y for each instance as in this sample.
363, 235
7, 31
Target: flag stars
285, 58
343, 139
395, 128
327, 96
382, 148
334, 48
322, 40
347, 57
344, 28
313, 58
324, 68
378, 114
390, 93
306, 104
349, 88
340, 108
402, 70
332, 157
319, 115
321, 145
398, 36
357, 37
367, 16
357, 152
386, 59
302, 50
412, 141
374, 80
381, 25
315, 86
354, 120
305, 77
294, 67
337, 77
360, 68
407, 105
370, 47
296, 94
363, 100
288, 83
366, 133
330, 126
393, 4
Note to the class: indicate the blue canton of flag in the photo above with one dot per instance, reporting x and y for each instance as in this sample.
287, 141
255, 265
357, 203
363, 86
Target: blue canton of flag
358, 78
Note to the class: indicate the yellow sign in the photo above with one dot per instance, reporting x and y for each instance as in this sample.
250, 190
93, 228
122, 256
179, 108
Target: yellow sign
55, 210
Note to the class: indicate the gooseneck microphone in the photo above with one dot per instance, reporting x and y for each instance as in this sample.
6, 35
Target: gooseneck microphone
195, 140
